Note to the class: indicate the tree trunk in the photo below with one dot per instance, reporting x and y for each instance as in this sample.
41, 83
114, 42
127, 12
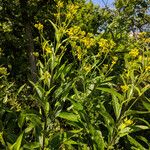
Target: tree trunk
29, 39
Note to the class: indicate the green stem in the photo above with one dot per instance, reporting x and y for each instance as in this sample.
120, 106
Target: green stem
44, 129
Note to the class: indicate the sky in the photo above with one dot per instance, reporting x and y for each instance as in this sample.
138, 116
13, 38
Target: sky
101, 2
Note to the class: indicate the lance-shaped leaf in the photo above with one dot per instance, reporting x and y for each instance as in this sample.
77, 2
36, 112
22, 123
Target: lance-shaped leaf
116, 100
69, 116
17, 144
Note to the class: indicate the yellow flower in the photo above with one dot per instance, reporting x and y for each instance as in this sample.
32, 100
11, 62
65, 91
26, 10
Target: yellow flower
124, 88
103, 43
112, 44
39, 26
79, 52
113, 62
60, 4
72, 8
126, 123
88, 41
73, 31
106, 45
3, 71
87, 68
69, 15
147, 40
141, 34
147, 68
122, 126
134, 52
46, 77
48, 49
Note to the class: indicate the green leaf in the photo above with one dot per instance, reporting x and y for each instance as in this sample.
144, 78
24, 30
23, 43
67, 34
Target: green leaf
21, 120
116, 106
2, 141
47, 108
57, 32
97, 138
108, 120
20, 89
38, 90
56, 141
133, 112
135, 143
35, 119
76, 105
17, 144
69, 116
117, 98
76, 131
70, 142
49, 91
146, 105
40, 94
32, 145
113, 92
139, 127
29, 128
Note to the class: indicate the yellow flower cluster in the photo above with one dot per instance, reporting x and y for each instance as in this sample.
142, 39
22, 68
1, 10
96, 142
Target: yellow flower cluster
39, 26
126, 123
57, 15
141, 34
48, 49
3, 71
46, 77
74, 31
87, 68
72, 9
106, 45
79, 52
134, 52
88, 41
124, 88
147, 68
60, 4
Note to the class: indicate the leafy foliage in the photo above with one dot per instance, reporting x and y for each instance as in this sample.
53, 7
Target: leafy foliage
86, 81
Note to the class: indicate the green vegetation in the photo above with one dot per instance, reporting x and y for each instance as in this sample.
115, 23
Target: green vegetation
74, 76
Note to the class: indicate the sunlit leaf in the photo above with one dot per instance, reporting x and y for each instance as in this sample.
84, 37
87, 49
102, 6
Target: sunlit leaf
17, 144
69, 116
33, 145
